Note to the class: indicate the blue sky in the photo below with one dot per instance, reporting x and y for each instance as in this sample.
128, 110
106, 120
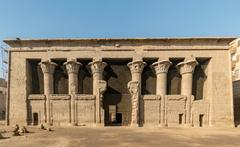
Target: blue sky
118, 18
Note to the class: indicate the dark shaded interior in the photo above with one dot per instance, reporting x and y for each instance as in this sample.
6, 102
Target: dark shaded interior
117, 75
201, 120
85, 79
35, 119
199, 78
174, 77
35, 76
236, 102
149, 77
60, 80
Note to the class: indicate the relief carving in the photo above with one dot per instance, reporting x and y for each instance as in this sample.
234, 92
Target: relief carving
72, 66
136, 66
133, 87
188, 65
161, 66
102, 87
97, 66
47, 66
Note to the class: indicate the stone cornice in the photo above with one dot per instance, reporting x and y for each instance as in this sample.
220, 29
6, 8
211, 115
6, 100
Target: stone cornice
113, 41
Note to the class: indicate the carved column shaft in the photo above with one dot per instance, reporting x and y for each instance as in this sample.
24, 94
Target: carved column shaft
48, 68
97, 68
186, 70
161, 68
161, 85
72, 67
186, 84
134, 86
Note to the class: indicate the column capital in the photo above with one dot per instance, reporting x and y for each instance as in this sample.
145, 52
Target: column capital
97, 66
72, 66
47, 66
188, 65
161, 66
136, 66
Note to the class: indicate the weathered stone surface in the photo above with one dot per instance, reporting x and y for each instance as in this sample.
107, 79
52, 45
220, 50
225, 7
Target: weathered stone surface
214, 107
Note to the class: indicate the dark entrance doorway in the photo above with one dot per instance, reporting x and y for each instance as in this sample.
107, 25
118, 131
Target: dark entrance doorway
180, 121
116, 97
118, 118
201, 120
35, 118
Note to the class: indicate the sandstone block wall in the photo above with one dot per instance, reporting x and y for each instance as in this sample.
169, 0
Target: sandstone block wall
216, 104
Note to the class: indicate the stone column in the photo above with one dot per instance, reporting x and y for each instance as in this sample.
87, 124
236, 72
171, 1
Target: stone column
134, 87
48, 68
161, 69
97, 68
72, 67
186, 69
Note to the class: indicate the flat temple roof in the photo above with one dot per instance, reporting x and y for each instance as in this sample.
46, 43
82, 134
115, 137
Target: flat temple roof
18, 42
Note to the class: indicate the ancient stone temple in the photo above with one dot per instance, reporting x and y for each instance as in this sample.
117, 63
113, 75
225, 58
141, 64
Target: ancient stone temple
120, 82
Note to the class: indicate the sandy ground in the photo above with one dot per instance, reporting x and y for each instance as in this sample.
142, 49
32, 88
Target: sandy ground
123, 137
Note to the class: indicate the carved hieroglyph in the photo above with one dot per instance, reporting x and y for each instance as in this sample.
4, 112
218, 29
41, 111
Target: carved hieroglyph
133, 87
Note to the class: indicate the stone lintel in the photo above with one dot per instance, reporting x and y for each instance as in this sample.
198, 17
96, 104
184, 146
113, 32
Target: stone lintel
176, 97
36, 97
151, 97
60, 97
85, 97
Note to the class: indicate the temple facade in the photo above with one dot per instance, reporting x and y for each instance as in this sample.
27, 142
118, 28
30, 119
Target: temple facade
120, 82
